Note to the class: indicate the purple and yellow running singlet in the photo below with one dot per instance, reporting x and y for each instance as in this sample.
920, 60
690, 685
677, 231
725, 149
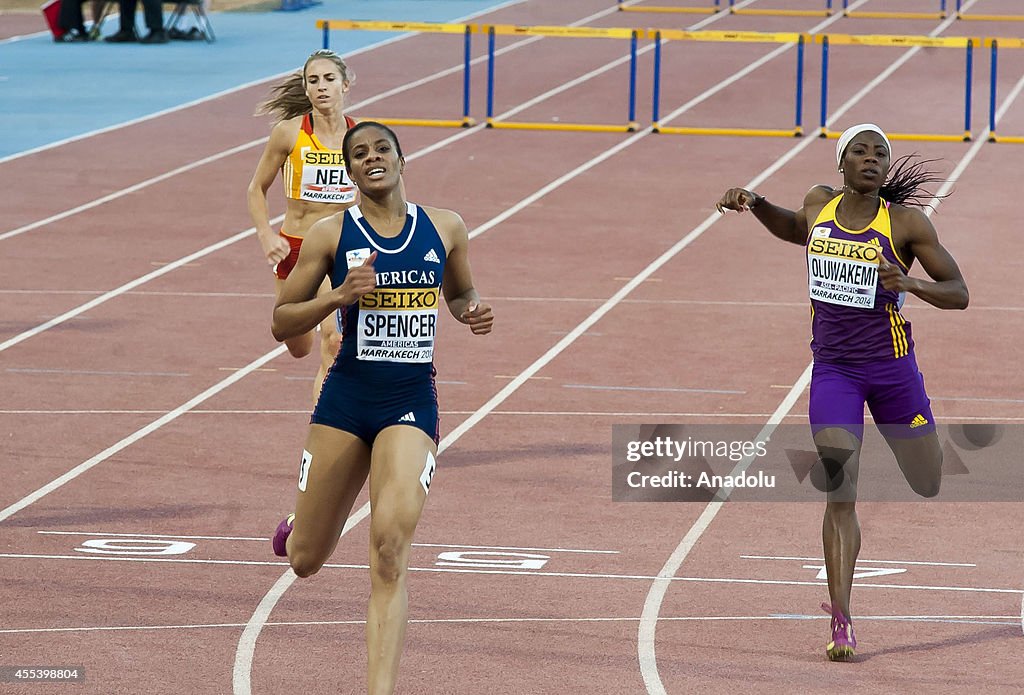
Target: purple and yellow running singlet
854, 319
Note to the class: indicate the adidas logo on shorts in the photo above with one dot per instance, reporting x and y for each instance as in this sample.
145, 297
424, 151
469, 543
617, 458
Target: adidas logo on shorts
409, 417
432, 256
918, 421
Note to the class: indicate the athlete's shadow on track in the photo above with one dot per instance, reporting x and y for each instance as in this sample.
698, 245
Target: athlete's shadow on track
993, 633
98, 515
525, 453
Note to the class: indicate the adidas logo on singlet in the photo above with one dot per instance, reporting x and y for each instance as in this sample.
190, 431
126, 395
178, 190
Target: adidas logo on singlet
408, 417
918, 421
432, 256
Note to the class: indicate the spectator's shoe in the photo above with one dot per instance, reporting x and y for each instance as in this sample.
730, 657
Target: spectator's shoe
73, 36
280, 539
122, 37
843, 643
155, 37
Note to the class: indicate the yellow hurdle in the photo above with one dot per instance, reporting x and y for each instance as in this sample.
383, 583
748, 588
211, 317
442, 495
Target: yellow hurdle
766, 12
992, 17
564, 127
1012, 139
577, 32
377, 25
727, 36
670, 10
870, 14
743, 132
895, 40
919, 137
426, 122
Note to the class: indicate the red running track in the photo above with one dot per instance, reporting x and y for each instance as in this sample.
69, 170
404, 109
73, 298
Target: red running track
621, 300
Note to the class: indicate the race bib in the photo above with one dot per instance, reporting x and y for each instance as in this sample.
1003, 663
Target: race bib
398, 325
325, 179
842, 272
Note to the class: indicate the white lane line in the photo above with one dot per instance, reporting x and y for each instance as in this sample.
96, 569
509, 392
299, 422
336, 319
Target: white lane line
241, 671
501, 547
138, 434
652, 606
104, 534
599, 387
870, 562
107, 296
91, 372
545, 300
968, 619
232, 90
22, 37
107, 534
145, 293
128, 191
992, 419
976, 400
512, 573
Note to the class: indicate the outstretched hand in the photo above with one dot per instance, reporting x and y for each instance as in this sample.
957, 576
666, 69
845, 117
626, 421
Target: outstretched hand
478, 316
738, 199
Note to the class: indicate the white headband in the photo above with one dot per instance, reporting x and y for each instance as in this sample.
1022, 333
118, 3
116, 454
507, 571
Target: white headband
852, 132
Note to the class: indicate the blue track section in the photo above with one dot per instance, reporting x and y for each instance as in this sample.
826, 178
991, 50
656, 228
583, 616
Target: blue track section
51, 92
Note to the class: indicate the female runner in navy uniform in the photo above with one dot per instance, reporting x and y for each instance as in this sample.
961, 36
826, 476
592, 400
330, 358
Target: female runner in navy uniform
388, 261
860, 242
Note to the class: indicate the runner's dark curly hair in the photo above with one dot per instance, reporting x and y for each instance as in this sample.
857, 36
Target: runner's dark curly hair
906, 182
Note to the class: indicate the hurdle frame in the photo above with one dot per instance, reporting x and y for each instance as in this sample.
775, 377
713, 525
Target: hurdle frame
993, 44
965, 42
668, 9
987, 17
827, 11
467, 30
893, 14
728, 37
494, 30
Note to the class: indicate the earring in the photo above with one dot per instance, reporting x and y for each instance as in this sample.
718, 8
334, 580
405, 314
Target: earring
840, 171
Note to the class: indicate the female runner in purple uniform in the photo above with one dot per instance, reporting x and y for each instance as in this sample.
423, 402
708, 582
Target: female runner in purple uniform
860, 242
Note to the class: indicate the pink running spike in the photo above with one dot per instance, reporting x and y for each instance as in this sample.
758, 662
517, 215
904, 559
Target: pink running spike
844, 643
280, 539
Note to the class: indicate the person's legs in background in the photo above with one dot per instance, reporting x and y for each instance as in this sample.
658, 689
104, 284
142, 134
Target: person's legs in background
154, 13
71, 21
126, 34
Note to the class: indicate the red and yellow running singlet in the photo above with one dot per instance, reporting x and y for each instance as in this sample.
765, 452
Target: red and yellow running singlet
314, 173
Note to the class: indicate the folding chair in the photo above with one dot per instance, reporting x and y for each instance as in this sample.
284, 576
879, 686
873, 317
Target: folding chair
198, 10
110, 7
107, 8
